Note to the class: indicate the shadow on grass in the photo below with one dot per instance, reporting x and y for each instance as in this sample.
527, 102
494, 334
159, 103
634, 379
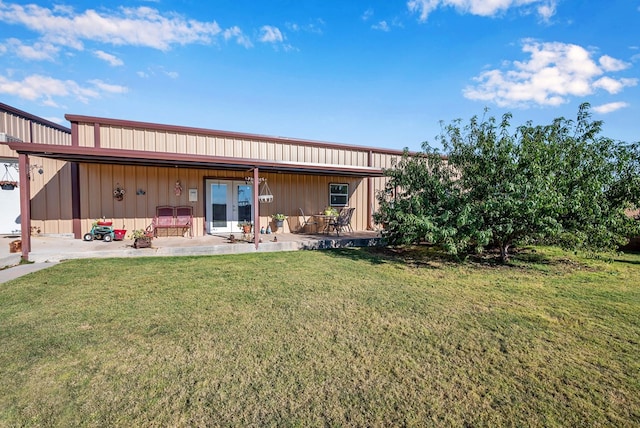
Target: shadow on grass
432, 257
413, 256
632, 253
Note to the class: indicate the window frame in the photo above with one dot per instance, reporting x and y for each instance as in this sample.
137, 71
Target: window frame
343, 193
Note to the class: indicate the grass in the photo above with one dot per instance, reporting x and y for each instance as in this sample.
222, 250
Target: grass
333, 338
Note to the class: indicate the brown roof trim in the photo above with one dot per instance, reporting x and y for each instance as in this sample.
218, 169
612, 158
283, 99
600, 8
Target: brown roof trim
34, 118
225, 134
144, 158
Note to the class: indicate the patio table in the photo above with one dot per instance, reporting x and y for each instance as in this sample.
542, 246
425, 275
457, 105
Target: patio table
328, 221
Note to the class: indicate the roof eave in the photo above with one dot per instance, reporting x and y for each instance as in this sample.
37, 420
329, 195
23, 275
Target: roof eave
145, 158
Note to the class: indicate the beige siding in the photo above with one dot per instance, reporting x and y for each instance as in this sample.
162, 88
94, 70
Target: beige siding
51, 190
383, 161
7, 153
114, 137
51, 196
291, 191
52, 208
86, 135
28, 131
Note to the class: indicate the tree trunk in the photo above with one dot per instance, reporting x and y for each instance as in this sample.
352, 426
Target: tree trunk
504, 255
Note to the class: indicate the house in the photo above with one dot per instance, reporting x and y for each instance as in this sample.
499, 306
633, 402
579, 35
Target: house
123, 170
17, 126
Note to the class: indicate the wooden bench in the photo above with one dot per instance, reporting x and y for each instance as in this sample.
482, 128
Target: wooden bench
169, 217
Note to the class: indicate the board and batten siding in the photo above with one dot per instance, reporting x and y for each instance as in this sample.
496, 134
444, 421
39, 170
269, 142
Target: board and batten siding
149, 187
27, 130
50, 191
162, 141
291, 191
51, 206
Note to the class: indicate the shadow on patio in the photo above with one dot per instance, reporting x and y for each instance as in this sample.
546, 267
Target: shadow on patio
53, 249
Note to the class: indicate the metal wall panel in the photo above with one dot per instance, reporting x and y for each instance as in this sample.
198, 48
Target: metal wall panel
136, 210
291, 191
115, 137
51, 196
50, 189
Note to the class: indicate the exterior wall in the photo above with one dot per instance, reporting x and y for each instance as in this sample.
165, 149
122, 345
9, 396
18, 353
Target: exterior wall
51, 199
10, 202
291, 191
209, 144
50, 208
383, 161
29, 130
135, 211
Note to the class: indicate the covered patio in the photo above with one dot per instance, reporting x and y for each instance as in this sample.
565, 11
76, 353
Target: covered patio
127, 172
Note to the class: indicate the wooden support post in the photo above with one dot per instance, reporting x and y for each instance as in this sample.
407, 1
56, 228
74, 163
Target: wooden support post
256, 207
370, 195
25, 204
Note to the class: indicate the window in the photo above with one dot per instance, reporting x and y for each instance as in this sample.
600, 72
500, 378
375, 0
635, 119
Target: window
338, 195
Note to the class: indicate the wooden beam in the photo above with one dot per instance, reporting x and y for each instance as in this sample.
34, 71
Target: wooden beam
25, 204
256, 207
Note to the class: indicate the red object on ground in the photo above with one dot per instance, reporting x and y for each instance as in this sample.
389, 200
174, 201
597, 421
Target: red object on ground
118, 234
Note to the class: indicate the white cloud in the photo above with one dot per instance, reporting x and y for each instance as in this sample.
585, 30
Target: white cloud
613, 86
546, 11
368, 14
271, 34
54, 119
553, 73
610, 107
37, 52
37, 87
612, 64
314, 27
50, 103
236, 33
106, 87
423, 7
382, 26
545, 8
157, 71
113, 60
142, 26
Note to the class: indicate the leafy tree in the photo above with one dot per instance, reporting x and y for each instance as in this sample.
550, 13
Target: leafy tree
422, 203
560, 182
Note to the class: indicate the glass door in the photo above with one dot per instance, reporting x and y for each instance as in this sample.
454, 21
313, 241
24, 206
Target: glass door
228, 202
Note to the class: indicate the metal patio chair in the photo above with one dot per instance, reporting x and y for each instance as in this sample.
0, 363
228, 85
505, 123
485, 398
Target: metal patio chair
343, 221
307, 221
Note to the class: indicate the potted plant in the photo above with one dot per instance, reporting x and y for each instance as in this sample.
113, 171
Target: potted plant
331, 211
8, 185
141, 238
7, 182
245, 226
278, 218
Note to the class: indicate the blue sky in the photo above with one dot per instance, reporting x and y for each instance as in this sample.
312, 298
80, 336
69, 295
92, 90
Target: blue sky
376, 73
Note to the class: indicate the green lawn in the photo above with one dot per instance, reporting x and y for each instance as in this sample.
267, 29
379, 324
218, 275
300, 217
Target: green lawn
333, 338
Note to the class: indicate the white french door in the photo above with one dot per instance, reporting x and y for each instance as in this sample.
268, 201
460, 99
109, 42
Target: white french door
228, 202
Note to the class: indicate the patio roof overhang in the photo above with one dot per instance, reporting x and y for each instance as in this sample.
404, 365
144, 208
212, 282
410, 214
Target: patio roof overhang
179, 160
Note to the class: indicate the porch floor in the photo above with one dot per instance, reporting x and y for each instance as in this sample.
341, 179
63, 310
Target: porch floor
54, 249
